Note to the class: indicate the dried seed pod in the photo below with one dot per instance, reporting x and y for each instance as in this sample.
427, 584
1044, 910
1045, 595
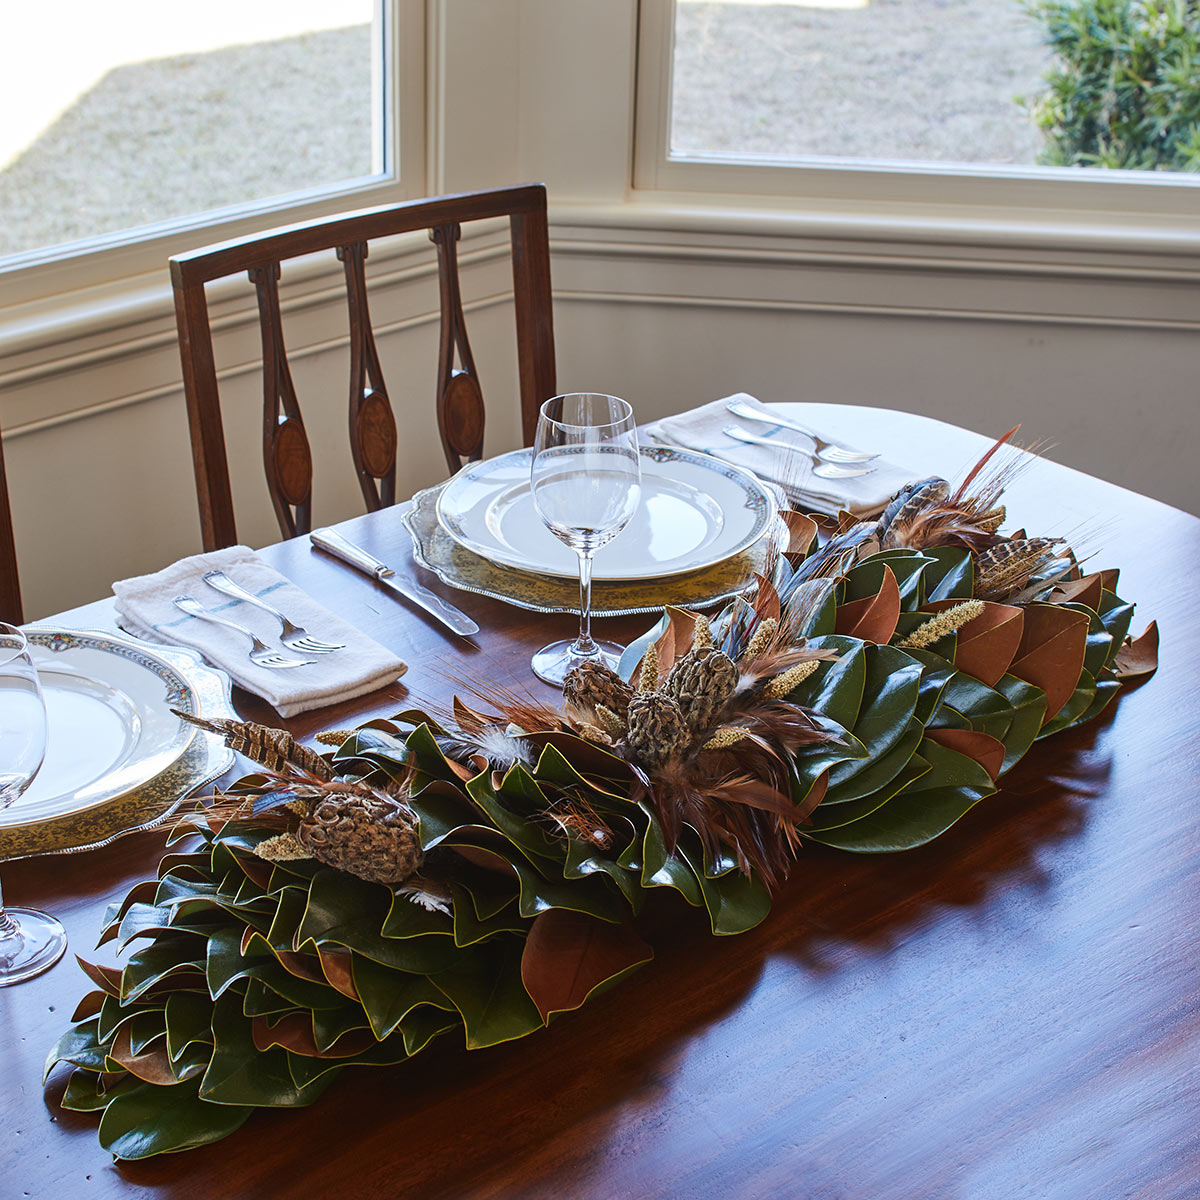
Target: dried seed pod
591, 685
657, 730
371, 836
701, 683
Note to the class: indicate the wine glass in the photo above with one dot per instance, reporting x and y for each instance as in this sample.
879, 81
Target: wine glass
30, 941
586, 483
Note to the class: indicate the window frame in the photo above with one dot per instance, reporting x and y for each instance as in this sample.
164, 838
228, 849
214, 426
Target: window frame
1035, 195
120, 263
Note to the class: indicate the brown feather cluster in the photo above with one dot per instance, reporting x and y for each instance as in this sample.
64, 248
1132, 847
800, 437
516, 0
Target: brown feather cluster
713, 738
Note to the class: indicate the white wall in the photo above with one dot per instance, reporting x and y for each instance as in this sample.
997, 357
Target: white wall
669, 300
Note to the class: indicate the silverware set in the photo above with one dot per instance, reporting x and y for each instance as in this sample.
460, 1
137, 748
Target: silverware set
292, 636
830, 460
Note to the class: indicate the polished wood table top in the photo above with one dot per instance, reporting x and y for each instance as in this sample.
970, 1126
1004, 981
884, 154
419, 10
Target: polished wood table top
1012, 1010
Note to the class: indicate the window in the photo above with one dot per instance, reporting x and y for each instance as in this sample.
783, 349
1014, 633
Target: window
135, 129
917, 101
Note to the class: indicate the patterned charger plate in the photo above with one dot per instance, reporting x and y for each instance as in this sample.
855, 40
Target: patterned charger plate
150, 777
455, 565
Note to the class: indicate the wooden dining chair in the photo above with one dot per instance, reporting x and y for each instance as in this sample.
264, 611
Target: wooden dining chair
10, 586
460, 407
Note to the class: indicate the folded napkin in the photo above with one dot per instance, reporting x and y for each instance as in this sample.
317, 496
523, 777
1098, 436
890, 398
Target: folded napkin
701, 429
145, 606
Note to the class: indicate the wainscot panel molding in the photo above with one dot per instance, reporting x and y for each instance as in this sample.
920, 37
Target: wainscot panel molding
1093, 350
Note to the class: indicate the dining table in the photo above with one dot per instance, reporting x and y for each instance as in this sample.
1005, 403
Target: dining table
1011, 1010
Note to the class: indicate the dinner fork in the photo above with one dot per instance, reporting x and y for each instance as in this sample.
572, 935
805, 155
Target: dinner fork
294, 637
829, 451
826, 470
260, 653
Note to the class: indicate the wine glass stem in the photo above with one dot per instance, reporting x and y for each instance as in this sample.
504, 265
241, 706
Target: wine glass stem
8, 927
585, 645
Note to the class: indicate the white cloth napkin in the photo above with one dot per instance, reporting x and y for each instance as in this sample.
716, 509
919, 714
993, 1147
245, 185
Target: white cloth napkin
145, 606
701, 429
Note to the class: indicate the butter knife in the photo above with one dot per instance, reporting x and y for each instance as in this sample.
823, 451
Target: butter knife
333, 543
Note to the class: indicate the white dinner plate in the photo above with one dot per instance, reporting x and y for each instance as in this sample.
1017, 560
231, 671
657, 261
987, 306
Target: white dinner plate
695, 511
111, 730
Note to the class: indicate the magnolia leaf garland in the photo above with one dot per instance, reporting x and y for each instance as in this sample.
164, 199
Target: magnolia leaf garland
479, 874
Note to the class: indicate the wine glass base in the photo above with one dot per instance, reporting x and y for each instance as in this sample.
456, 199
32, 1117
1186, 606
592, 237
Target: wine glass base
552, 663
37, 946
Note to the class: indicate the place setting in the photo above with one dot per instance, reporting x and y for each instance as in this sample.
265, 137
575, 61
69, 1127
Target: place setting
700, 531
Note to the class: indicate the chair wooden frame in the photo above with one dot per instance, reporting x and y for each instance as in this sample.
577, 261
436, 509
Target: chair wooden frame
10, 584
286, 455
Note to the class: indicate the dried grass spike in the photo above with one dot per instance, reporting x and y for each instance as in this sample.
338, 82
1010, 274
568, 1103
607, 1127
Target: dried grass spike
702, 634
648, 677
946, 622
783, 685
761, 639
282, 848
334, 737
726, 736
612, 723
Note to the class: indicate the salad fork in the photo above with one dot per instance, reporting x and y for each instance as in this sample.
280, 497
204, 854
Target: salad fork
294, 637
829, 451
260, 653
826, 470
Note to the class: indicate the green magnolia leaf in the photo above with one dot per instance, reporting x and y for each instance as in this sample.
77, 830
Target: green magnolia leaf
835, 689
877, 774
660, 868
892, 690
85, 1090
227, 964
735, 902
146, 1028
145, 1120
484, 984
866, 578
590, 894
389, 996
1099, 647
240, 1073
907, 821
1106, 690
951, 576
407, 919
583, 859
531, 839
469, 928
177, 957
1116, 616
949, 769
442, 810
987, 710
277, 989
835, 816
489, 891
80, 1045
1028, 704
188, 1018
345, 911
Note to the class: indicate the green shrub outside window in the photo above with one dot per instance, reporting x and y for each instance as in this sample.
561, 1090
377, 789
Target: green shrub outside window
1125, 89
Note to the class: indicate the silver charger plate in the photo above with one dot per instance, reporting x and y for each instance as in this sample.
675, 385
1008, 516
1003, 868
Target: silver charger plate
457, 567
695, 511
